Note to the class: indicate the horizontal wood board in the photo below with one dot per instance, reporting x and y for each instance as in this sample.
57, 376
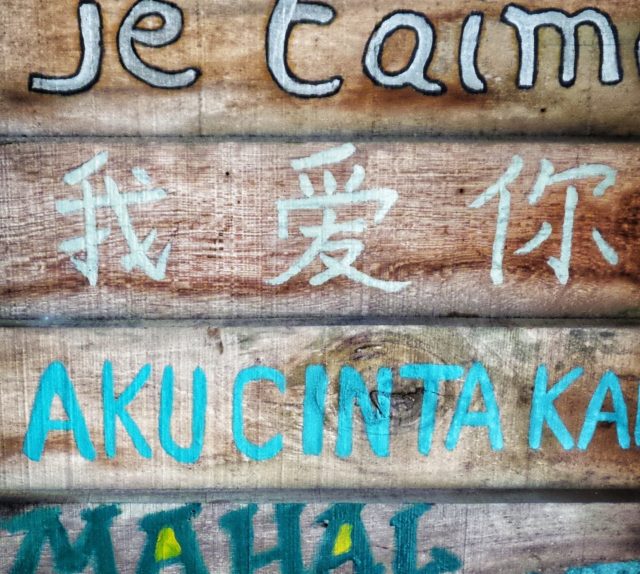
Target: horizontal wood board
235, 93
431, 253
74, 361
475, 539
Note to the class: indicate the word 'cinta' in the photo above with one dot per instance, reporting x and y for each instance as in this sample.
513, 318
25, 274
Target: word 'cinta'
353, 390
286, 14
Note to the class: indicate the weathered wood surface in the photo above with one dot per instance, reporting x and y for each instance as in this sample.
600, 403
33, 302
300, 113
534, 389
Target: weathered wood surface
236, 94
238, 448
474, 539
220, 217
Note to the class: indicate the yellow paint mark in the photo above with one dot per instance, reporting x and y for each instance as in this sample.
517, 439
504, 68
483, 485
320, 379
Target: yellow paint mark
167, 547
343, 540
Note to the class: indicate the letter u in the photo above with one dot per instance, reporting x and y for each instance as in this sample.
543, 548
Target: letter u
184, 455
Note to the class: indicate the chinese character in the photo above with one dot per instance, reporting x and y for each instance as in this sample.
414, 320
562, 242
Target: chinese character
93, 235
323, 245
546, 177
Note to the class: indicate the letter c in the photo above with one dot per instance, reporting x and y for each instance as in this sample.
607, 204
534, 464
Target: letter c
273, 446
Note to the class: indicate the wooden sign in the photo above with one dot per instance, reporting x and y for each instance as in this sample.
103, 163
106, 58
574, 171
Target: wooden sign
292, 538
226, 409
323, 337
95, 229
286, 67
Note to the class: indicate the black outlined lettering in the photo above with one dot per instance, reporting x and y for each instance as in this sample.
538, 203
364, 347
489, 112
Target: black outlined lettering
170, 31
286, 14
414, 74
527, 24
88, 72
470, 77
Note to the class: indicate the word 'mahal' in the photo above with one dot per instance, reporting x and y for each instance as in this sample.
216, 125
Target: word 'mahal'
286, 14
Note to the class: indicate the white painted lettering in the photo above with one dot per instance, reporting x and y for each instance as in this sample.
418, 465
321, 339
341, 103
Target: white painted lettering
168, 33
471, 79
286, 14
88, 71
527, 25
414, 73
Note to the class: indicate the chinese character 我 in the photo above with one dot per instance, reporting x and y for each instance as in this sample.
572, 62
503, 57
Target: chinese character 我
138, 255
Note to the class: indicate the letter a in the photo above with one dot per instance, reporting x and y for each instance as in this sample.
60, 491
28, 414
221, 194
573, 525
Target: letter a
55, 381
345, 540
171, 540
414, 73
609, 383
490, 418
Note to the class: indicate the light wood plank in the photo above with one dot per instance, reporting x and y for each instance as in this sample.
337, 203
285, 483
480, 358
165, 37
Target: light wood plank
220, 216
236, 94
478, 539
60, 461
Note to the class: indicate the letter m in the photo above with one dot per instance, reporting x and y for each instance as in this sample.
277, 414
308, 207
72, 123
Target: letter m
527, 25
42, 524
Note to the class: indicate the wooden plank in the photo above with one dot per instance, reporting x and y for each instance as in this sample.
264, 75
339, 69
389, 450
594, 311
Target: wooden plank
235, 93
544, 538
298, 428
436, 251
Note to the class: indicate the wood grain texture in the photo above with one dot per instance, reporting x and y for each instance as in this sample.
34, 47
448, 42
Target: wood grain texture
220, 216
510, 355
236, 94
502, 539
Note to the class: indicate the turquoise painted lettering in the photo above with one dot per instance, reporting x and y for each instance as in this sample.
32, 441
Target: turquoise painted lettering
405, 524
609, 383
315, 393
544, 411
375, 415
113, 408
244, 560
271, 447
345, 540
93, 545
191, 454
637, 433
56, 382
187, 552
611, 568
431, 376
490, 418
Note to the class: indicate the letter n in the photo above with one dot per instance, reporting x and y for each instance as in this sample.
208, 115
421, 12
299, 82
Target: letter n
376, 415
